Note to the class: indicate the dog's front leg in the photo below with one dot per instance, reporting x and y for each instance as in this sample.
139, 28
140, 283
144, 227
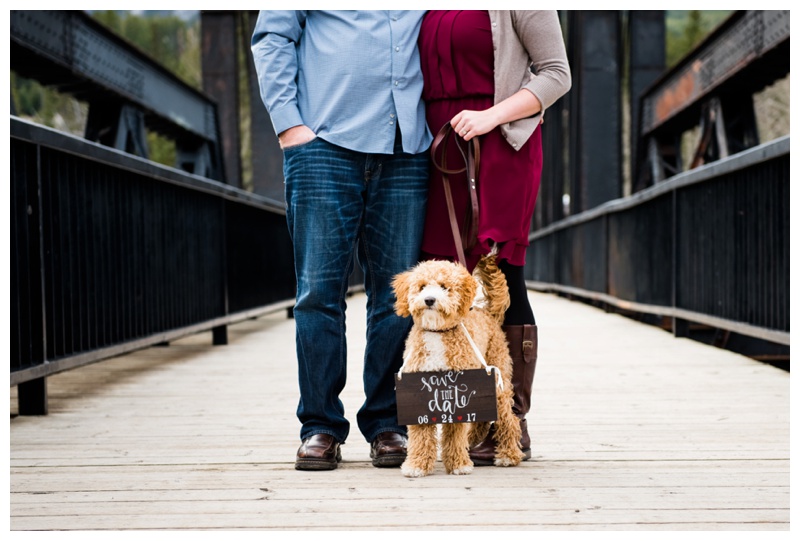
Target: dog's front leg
507, 432
478, 432
455, 449
422, 451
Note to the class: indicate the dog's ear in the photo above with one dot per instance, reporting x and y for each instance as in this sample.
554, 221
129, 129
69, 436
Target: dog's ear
401, 285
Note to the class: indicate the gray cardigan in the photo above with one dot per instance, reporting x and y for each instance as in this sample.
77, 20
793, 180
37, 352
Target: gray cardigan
523, 40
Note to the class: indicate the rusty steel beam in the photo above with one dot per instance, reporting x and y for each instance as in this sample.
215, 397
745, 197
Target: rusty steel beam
727, 56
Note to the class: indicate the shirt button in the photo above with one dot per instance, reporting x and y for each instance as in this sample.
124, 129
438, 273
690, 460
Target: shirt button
391, 116
494, 24
397, 48
396, 83
391, 122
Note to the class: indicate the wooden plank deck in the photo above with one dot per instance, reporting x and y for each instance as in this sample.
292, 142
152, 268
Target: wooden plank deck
633, 430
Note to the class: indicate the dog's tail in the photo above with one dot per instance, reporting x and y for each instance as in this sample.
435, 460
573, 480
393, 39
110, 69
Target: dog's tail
495, 287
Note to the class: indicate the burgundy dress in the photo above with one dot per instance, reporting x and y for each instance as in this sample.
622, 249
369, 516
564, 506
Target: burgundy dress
457, 60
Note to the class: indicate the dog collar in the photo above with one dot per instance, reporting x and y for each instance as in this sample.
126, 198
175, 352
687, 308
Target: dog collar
441, 330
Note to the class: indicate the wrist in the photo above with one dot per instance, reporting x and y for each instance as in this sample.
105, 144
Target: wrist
295, 135
495, 116
289, 131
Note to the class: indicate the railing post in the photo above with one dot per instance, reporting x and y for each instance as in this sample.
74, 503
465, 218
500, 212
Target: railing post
220, 335
680, 327
32, 397
32, 394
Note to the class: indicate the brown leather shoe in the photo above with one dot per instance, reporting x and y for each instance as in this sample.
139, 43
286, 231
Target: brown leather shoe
319, 452
388, 450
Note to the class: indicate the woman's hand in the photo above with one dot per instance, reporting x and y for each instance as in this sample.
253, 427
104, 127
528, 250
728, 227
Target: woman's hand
469, 124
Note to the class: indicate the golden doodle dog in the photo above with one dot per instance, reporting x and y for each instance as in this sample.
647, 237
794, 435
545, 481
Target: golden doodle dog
439, 296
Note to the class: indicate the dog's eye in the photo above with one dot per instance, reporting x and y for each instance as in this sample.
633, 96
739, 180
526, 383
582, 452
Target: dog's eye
443, 286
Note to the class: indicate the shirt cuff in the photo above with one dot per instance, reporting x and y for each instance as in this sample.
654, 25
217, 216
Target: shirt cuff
286, 117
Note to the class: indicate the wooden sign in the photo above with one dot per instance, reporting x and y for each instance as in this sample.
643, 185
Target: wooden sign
455, 396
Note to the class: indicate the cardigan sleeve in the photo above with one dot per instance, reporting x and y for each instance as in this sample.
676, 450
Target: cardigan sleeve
540, 34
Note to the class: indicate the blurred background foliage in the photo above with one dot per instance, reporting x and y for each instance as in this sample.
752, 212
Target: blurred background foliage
685, 29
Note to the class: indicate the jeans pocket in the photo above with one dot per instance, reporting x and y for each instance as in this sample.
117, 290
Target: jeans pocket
291, 149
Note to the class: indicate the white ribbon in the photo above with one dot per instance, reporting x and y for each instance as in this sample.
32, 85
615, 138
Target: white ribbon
498, 375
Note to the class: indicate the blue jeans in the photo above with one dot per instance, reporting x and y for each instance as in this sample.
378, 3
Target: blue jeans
339, 202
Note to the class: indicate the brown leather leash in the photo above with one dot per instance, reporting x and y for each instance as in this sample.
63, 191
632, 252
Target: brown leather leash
468, 237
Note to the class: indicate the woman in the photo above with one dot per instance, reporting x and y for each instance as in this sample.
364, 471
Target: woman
492, 74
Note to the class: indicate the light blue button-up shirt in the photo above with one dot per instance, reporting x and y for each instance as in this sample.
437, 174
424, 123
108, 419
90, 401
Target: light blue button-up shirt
350, 76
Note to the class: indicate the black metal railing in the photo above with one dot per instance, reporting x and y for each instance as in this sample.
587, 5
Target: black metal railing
111, 253
707, 246
702, 251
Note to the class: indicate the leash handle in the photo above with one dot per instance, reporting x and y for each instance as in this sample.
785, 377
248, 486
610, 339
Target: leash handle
472, 159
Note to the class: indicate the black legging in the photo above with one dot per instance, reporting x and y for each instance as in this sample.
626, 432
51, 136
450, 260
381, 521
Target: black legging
520, 311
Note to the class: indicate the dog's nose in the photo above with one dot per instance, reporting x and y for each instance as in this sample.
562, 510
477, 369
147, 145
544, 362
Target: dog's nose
429, 301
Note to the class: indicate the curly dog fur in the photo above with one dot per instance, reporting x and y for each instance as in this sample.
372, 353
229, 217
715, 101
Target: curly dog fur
439, 296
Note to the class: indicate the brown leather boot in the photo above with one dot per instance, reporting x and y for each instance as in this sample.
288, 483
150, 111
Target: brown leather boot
523, 344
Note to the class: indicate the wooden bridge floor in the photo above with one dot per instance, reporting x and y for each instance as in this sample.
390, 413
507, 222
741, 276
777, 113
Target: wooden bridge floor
633, 430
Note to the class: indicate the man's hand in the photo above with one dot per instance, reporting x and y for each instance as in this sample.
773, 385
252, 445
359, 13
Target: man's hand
296, 135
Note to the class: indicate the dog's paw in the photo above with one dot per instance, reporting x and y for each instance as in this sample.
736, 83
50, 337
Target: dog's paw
505, 462
464, 470
410, 471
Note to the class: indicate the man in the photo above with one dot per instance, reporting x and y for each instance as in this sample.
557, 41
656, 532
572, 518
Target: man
343, 90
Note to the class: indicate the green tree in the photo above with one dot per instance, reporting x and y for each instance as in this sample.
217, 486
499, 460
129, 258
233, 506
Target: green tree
111, 19
27, 95
694, 31
686, 29
169, 40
